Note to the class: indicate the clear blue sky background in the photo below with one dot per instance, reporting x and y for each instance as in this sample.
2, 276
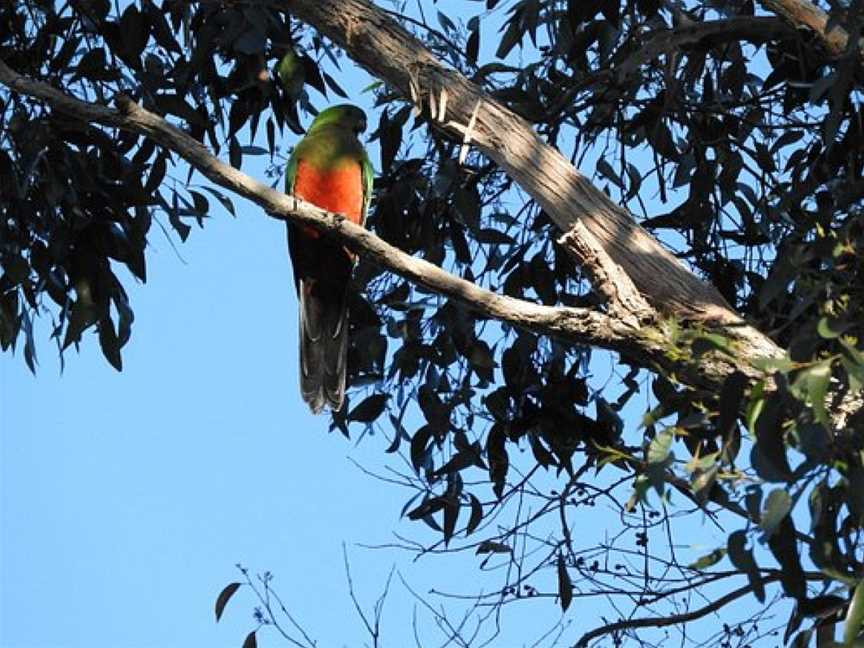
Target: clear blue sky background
126, 499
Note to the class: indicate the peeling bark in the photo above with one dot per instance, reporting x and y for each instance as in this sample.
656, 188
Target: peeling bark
588, 218
802, 13
382, 46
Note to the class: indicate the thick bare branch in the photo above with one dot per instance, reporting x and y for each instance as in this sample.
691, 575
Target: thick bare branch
623, 298
802, 13
387, 50
378, 43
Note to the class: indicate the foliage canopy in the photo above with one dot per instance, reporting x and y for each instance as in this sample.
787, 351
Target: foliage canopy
732, 133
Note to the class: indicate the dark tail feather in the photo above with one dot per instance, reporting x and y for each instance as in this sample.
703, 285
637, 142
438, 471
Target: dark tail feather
323, 345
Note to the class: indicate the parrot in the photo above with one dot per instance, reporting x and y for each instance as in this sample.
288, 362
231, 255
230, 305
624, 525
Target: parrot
329, 168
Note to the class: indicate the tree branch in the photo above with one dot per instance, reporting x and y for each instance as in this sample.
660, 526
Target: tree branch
660, 622
387, 50
755, 29
579, 325
802, 13
622, 296
391, 53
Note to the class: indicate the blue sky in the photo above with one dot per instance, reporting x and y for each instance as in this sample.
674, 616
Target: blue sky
126, 499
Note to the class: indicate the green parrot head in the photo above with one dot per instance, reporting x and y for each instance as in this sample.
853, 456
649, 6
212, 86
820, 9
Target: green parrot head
344, 116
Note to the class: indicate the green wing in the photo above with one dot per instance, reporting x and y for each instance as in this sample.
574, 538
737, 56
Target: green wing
368, 175
291, 172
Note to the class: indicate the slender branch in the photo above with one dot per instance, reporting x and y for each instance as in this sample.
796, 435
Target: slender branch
373, 632
755, 29
675, 619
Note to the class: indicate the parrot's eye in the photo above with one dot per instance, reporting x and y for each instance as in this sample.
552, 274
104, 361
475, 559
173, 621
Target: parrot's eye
360, 126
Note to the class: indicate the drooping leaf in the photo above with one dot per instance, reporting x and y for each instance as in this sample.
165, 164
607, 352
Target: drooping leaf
777, 506
223, 598
476, 515
565, 586
709, 559
369, 409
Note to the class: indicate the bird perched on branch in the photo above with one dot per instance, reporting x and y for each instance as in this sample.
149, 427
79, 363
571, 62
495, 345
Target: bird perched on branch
330, 169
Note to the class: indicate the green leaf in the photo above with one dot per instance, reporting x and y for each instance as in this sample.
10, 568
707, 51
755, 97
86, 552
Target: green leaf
222, 198
292, 74
493, 237
202, 205
334, 86
489, 546
856, 355
706, 342
784, 547
768, 455
854, 616
771, 365
742, 558
476, 515
855, 374
499, 460
83, 316
235, 154
704, 479
427, 507
109, 343
157, 173
736, 549
830, 329
451, 516
253, 150
223, 598
511, 38
472, 48
814, 441
731, 395
708, 560
754, 408
369, 410
565, 586
419, 443
855, 491
372, 87
812, 384
659, 449
777, 506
